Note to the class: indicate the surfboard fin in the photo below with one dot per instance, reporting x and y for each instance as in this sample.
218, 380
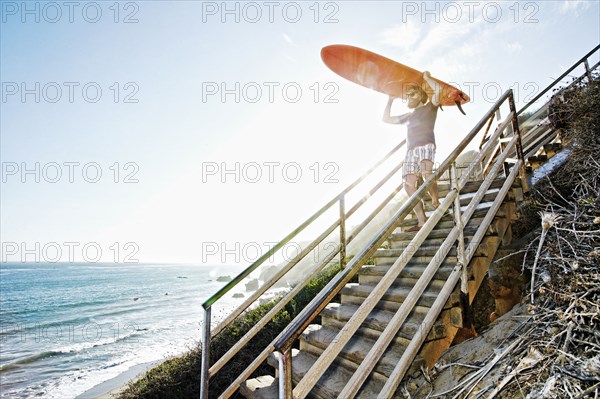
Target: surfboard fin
459, 107
441, 109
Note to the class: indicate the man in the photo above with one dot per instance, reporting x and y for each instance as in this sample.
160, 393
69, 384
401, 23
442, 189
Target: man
420, 152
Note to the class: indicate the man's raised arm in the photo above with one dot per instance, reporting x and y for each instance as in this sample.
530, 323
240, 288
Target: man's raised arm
387, 118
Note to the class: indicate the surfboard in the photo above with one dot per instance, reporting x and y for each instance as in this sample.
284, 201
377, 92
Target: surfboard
384, 75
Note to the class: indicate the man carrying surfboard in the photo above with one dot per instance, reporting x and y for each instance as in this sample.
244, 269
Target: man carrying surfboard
420, 152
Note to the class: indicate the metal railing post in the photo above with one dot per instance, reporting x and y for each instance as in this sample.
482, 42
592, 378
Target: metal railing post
204, 376
460, 249
517, 131
343, 232
285, 374
587, 70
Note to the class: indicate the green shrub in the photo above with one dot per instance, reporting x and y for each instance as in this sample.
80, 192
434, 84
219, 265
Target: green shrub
180, 377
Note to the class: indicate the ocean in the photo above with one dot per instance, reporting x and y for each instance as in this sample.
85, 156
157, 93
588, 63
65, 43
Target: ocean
66, 328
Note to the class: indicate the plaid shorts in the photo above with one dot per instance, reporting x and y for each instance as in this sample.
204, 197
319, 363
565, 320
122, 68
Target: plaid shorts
412, 161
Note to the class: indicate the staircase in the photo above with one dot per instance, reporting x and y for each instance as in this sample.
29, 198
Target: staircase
317, 337
404, 295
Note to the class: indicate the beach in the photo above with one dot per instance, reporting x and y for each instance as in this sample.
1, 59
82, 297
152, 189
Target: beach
110, 389
98, 326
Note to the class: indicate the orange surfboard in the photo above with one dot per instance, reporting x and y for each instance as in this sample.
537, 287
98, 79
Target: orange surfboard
384, 75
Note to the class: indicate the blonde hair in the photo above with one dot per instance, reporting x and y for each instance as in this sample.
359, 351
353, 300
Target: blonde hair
420, 90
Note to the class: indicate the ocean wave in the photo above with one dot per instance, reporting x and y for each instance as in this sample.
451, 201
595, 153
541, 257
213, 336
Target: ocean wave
67, 350
28, 360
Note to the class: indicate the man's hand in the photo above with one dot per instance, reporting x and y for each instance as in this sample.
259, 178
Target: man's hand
435, 86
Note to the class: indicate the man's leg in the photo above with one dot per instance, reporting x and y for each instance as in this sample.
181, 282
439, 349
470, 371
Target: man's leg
410, 185
427, 170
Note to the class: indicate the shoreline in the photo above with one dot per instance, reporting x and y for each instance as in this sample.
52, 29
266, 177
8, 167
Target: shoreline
109, 389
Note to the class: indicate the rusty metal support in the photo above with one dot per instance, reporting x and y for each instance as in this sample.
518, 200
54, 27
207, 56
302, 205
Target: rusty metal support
460, 249
519, 146
343, 232
587, 70
285, 374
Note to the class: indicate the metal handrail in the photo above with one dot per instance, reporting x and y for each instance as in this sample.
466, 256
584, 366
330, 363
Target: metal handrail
530, 140
208, 371
409, 354
377, 293
295, 328
583, 60
264, 354
284, 342
219, 294
363, 371
283, 301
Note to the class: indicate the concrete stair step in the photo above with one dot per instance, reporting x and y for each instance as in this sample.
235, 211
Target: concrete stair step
263, 387
336, 315
315, 339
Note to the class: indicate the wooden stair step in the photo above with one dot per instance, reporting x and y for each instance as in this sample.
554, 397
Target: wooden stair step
470, 187
429, 242
438, 233
479, 213
424, 251
412, 271
378, 320
400, 281
397, 294
466, 200
393, 244
379, 260
315, 339
444, 223
332, 382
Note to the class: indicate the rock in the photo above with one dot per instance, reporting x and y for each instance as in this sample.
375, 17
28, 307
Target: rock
267, 272
252, 285
224, 279
238, 295
136, 298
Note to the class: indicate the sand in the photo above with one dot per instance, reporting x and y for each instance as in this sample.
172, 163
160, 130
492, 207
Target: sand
111, 388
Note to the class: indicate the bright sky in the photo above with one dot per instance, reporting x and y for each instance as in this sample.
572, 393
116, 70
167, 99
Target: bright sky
164, 97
